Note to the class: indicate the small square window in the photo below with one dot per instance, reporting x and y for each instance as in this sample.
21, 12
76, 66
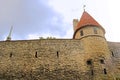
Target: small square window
102, 61
95, 30
81, 33
89, 62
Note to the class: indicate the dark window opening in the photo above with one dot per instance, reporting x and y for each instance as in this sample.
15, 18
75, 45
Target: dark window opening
36, 55
89, 62
112, 53
92, 72
95, 30
102, 61
81, 33
57, 54
105, 72
11, 54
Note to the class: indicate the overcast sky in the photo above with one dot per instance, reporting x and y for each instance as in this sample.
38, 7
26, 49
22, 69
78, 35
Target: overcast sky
32, 19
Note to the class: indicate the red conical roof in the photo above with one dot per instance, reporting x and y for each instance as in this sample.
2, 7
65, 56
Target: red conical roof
86, 19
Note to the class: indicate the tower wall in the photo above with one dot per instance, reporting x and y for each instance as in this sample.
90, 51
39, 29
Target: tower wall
75, 22
96, 50
115, 54
89, 30
97, 55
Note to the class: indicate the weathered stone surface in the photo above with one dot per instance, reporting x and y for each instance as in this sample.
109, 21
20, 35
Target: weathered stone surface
56, 60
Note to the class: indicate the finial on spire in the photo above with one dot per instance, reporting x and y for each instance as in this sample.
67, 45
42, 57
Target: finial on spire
9, 35
84, 7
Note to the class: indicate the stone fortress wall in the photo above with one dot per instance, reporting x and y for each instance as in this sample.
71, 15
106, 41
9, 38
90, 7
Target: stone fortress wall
41, 59
45, 59
114, 47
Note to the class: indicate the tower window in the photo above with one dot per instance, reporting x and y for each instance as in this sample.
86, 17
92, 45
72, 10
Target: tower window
95, 30
89, 62
105, 72
81, 32
112, 53
102, 61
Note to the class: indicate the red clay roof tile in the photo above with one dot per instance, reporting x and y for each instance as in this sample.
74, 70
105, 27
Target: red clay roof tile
86, 19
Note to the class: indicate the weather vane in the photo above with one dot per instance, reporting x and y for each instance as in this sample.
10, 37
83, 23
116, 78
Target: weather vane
84, 7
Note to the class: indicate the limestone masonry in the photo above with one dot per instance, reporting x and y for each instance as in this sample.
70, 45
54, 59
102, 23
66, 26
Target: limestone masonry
88, 56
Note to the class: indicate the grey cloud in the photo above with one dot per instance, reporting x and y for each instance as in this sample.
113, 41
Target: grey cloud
29, 16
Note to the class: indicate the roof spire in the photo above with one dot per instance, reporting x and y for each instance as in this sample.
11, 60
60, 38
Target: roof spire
9, 35
84, 7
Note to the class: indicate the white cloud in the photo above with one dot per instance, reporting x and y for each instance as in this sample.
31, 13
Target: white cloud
36, 16
106, 12
29, 17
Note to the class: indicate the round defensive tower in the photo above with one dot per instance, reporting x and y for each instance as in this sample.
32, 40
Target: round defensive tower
97, 56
